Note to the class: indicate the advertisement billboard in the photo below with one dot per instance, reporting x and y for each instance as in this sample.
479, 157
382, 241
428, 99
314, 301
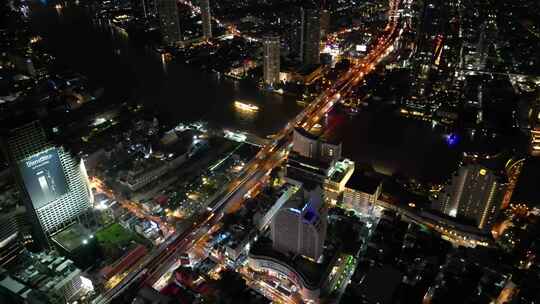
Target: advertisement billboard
43, 177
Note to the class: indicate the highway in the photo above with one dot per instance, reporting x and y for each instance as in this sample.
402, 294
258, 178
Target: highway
150, 268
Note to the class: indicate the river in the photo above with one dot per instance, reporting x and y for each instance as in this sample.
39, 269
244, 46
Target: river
389, 143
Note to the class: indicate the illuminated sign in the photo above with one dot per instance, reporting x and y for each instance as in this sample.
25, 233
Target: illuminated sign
361, 48
43, 177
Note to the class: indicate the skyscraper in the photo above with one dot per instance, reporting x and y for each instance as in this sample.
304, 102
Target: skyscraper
310, 38
271, 60
143, 8
325, 22
299, 227
52, 182
206, 19
169, 22
474, 193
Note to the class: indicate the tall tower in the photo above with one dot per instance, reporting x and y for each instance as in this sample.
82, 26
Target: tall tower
143, 8
271, 60
299, 227
206, 19
310, 38
169, 22
325, 22
475, 193
52, 182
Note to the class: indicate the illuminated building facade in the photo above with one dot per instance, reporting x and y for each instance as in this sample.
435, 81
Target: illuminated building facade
299, 227
474, 193
53, 183
535, 130
12, 233
288, 271
206, 19
271, 60
310, 37
338, 176
361, 193
169, 22
535, 142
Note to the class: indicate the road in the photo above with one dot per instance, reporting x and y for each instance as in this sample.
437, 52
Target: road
150, 269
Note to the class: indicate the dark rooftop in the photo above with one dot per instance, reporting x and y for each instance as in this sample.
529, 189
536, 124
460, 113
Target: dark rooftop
360, 181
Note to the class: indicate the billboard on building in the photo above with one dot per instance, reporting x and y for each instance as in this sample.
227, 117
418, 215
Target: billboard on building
43, 177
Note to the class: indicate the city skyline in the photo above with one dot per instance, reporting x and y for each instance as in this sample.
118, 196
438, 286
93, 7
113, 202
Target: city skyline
251, 152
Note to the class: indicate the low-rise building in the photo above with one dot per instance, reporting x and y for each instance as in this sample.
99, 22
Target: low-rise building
47, 278
295, 277
361, 192
338, 176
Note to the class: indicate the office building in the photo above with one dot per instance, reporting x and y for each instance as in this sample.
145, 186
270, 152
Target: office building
271, 60
474, 194
361, 192
310, 38
299, 227
52, 182
169, 22
206, 19
338, 176
317, 147
300, 169
263, 222
325, 23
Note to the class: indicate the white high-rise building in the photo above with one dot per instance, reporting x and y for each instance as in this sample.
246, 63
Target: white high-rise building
474, 193
271, 60
299, 226
53, 182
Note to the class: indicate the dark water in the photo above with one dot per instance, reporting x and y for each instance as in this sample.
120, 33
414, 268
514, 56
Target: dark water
388, 143
175, 91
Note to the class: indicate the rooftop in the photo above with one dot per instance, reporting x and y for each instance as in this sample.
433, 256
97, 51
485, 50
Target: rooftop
360, 181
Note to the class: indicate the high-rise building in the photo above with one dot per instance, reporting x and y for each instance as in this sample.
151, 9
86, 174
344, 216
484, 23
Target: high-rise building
271, 60
474, 193
535, 129
206, 19
52, 182
310, 38
325, 22
169, 22
313, 146
299, 227
143, 8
